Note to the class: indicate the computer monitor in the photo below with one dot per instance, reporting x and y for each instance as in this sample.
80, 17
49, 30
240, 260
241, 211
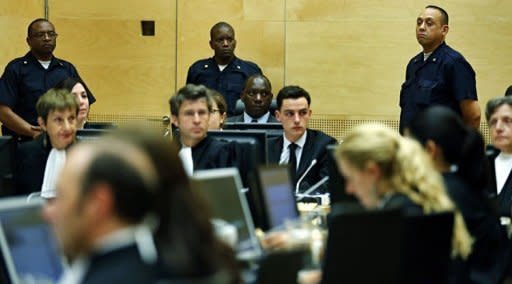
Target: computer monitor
251, 153
7, 160
28, 247
273, 129
278, 195
90, 134
336, 186
256, 137
222, 188
363, 247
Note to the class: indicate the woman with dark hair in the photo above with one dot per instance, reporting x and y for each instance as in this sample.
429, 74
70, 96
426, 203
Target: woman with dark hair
78, 89
219, 110
185, 238
458, 153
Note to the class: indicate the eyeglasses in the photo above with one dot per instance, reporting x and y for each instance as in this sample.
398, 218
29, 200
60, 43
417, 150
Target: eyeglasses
42, 35
191, 113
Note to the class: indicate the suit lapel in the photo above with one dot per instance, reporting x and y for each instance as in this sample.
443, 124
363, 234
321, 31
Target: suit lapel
307, 152
275, 149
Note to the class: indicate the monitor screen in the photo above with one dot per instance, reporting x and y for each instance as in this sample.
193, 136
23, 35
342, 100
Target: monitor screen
272, 129
258, 138
222, 188
278, 194
29, 249
90, 134
336, 187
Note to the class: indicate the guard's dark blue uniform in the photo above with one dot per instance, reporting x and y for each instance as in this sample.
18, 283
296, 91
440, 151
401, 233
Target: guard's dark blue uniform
25, 80
230, 82
445, 78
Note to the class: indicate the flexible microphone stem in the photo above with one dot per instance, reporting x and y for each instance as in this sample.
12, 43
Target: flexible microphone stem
311, 189
303, 176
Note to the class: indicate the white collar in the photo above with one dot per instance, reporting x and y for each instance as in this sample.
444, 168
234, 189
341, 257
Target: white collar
261, 119
300, 142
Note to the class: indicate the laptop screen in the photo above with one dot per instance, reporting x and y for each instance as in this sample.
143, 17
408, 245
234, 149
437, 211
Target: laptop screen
278, 195
29, 248
222, 189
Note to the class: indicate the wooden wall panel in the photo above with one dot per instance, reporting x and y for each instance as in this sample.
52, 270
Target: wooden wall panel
15, 15
351, 55
259, 31
128, 72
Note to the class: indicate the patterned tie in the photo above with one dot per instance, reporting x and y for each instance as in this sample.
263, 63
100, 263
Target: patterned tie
292, 161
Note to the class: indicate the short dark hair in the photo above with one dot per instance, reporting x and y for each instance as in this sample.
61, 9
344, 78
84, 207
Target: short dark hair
218, 98
190, 92
218, 26
267, 81
291, 92
55, 99
508, 92
444, 14
36, 21
495, 103
132, 194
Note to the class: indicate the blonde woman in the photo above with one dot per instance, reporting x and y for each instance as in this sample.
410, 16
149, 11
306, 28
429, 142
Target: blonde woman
385, 170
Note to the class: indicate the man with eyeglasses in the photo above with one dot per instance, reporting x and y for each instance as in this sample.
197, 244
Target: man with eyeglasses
303, 149
190, 113
257, 97
224, 72
27, 78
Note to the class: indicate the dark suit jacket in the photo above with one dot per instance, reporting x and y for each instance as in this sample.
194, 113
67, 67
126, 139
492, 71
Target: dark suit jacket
240, 118
314, 148
212, 154
30, 165
123, 265
503, 201
489, 257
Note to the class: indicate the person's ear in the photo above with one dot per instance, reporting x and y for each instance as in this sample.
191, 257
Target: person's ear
211, 44
445, 29
41, 123
431, 148
277, 114
373, 170
174, 121
100, 200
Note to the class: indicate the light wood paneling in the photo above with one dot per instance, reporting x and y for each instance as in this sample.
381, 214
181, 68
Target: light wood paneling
259, 31
351, 55
15, 15
128, 72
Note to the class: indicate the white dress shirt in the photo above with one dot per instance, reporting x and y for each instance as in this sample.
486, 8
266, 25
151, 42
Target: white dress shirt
285, 152
261, 119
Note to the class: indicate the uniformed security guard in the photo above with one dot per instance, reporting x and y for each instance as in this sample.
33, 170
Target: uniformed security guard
439, 75
27, 78
223, 72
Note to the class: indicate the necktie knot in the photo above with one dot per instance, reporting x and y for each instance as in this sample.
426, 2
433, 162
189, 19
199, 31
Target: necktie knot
254, 121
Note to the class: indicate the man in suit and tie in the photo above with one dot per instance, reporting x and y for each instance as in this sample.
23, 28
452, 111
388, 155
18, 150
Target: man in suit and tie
103, 197
300, 147
190, 113
257, 97
499, 118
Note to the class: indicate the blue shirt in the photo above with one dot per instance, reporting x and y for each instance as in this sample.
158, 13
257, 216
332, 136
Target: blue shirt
25, 80
230, 82
445, 78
